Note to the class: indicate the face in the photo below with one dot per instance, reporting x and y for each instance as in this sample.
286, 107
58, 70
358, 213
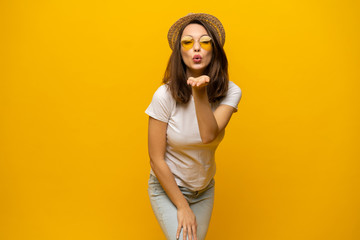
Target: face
196, 49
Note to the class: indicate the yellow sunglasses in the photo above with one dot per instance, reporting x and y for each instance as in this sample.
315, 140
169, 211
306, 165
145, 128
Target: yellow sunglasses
188, 42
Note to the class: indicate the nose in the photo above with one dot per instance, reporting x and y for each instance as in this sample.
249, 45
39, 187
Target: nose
196, 46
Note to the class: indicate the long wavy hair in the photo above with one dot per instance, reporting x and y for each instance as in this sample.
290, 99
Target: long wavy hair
217, 70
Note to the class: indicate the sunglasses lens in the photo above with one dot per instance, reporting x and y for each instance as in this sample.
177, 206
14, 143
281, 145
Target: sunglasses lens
205, 42
188, 42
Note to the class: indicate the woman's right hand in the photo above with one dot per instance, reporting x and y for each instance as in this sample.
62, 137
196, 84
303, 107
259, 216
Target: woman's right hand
187, 221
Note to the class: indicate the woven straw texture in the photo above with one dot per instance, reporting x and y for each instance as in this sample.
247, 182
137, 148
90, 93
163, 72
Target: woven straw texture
212, 20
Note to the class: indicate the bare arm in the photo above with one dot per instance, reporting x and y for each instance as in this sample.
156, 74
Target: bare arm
210, 123
157, 146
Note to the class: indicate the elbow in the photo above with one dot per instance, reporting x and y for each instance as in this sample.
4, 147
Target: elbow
208, 139
152, 163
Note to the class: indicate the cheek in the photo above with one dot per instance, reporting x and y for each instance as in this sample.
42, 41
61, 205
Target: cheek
209, 56
185, 54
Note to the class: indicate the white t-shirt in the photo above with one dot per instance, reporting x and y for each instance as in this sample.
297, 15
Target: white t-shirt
191, 161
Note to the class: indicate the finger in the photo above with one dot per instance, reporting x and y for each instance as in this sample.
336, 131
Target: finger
190, 233
190, 79
184, 232
194, 230
202, 78
178, 231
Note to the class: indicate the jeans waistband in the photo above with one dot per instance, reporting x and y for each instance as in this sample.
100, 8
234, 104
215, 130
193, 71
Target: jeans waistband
188, 191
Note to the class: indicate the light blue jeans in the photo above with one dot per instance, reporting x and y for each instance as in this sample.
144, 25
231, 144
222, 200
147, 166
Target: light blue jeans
201, 202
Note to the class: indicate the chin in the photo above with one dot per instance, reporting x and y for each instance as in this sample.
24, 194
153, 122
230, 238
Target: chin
197, 66
197, 69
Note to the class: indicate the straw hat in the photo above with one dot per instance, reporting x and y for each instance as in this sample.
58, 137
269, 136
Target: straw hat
214, 23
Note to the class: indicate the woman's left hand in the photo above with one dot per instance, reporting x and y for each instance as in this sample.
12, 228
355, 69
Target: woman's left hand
198, 82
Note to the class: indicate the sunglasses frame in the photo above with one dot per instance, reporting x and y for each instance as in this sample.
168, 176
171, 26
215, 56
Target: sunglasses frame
189, 38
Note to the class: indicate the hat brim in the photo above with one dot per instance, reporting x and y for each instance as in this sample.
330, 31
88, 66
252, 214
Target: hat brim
213, 22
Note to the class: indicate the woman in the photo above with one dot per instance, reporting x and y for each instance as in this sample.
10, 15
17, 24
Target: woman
187, 119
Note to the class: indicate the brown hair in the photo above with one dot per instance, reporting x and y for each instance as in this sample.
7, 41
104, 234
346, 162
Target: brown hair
217, 70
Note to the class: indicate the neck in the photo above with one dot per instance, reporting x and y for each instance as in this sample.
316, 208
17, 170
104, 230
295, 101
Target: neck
193, 73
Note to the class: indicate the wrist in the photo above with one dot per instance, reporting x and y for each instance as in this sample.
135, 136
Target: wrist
183, 205
201, 92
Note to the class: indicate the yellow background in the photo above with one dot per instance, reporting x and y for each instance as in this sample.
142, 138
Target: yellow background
77, 76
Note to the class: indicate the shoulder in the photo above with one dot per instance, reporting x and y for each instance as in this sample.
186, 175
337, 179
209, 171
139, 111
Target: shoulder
233, 96
234, 90
233, 87
163, 95
163, 91
161, 105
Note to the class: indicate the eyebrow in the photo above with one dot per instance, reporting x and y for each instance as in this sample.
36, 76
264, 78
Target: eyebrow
200, 36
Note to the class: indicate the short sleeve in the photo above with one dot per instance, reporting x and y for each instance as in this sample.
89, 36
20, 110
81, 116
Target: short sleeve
161, 104
233, 96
